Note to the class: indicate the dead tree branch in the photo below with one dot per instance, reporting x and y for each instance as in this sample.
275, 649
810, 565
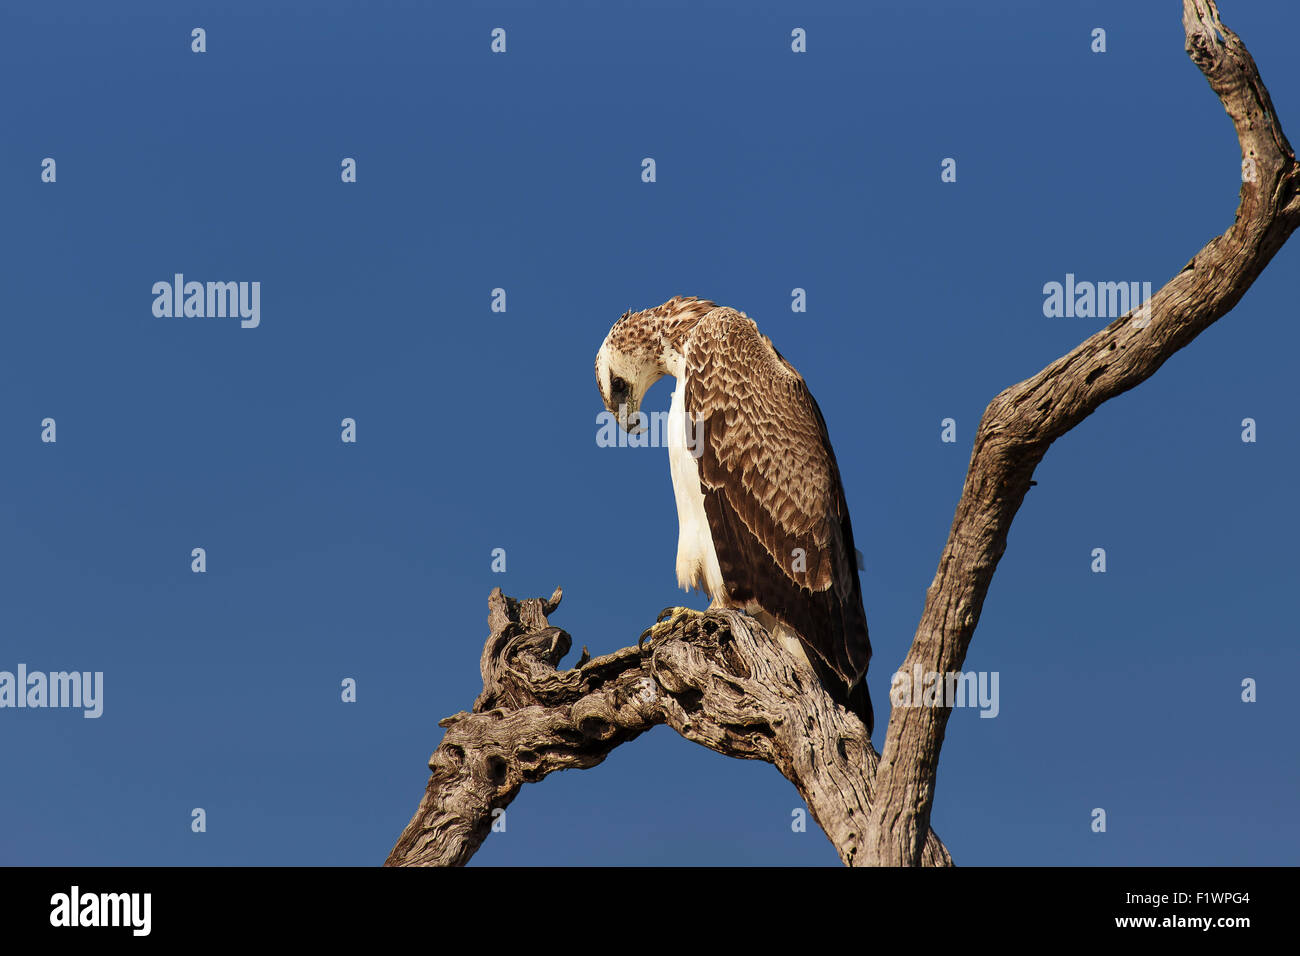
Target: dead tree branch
717, 679
1021, 423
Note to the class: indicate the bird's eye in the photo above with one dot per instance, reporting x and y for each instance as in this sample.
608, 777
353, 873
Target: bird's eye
617, 384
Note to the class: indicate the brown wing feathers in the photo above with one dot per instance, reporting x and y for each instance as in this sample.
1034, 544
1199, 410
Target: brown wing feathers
772, 494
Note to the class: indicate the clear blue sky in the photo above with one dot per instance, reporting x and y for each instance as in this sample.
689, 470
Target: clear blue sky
476, 430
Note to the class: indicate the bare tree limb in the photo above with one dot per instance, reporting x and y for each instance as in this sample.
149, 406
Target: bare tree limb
715, 678
1023, 421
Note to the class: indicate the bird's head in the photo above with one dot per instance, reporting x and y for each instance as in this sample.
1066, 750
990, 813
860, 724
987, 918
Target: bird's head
625, 369
640, 349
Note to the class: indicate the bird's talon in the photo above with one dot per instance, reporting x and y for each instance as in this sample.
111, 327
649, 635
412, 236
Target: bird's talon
669, 619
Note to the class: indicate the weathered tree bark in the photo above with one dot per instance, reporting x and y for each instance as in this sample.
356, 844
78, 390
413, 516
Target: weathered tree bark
716, 678
1023, 421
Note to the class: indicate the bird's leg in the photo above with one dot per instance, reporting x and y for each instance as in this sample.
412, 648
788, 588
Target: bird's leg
668, 621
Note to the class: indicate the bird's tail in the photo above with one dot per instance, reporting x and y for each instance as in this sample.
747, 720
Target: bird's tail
856, 698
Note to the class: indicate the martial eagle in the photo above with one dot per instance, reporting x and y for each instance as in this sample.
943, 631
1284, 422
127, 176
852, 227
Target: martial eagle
762, 521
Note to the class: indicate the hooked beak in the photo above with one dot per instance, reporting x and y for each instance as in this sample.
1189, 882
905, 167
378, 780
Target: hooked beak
630, 418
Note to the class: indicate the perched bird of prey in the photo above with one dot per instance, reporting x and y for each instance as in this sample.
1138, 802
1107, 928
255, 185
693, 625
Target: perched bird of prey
762, 521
